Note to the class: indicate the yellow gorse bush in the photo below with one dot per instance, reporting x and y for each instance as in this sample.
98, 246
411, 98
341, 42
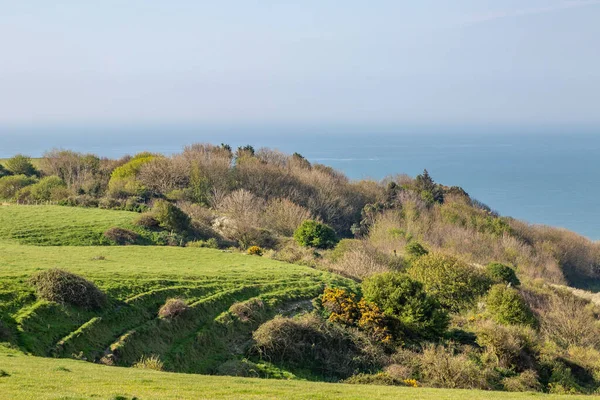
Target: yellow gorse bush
346, 310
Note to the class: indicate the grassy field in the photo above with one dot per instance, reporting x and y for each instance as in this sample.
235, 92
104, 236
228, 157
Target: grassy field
37, 378
60, 226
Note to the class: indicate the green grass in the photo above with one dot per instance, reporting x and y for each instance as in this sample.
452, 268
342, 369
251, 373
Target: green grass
60, 226
43, 378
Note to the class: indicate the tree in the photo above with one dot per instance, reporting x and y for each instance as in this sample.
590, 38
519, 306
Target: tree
21, 165
430, 191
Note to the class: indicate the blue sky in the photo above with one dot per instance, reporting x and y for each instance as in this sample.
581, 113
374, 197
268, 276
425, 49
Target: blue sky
377, 62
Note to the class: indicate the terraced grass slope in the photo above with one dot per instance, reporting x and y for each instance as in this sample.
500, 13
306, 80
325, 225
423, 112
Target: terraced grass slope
34, 378
138, 281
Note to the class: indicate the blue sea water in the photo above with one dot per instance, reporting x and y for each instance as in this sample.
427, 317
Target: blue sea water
542, 176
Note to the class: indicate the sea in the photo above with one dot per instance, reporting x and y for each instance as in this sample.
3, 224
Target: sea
543, 175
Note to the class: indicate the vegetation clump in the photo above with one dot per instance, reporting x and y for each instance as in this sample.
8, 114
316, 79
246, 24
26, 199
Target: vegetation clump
170, 217
343, 308
121, 236
454, 283
152, 362
500, 273
20, 165
507, 306
255, 251
309, 342
315, 234
67, 288
173, 308
403, 300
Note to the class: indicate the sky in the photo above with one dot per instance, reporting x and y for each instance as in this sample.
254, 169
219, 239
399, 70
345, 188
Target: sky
262, 61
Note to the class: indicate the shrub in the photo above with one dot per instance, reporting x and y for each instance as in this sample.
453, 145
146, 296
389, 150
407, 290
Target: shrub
10, 185
248, 311
241, 368
343, 308
211, 243
20, 165
256, 237
48, 188
314, 234
172, 308
3, 171
508, 346
121, 236
170, 216
310, 343
152, 362
441, 367
147, 221
569, 321
380, 378
404, 300
360, 262
500, 273
255, 251
526, 381
507, 306
455, 284
415, 250
67, 288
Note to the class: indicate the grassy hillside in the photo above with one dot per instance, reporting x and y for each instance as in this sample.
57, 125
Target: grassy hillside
138, 280
60, 226
43, 378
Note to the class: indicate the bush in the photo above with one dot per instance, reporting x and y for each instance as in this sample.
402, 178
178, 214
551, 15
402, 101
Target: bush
500, 273
507, 306
152, 362
405, 301
380, 378
20, 165
415, 250
248, 311
67, 288
343, 308
48, 188
455, 284
3, 171
147, 221
211, 243
508, 346
526, 381
569, 321
172, 308
440, 367
256, 237
121, 236
314, 234
255, 251
310, 343
170, 217
10, 185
